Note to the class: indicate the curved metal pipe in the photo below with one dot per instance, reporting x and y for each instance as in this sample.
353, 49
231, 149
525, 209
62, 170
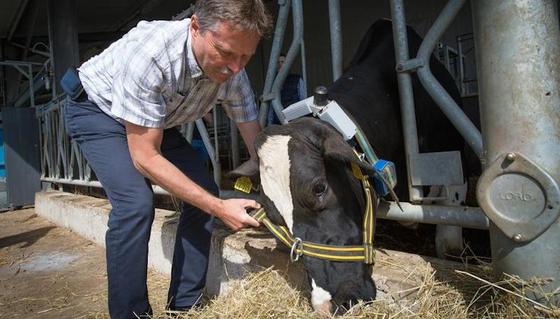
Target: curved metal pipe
446, 103
281, 23
297, 14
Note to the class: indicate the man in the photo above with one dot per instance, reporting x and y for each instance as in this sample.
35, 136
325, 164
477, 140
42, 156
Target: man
157, 76
292, 91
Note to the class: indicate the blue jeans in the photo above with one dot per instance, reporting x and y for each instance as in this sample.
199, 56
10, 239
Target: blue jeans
103, 143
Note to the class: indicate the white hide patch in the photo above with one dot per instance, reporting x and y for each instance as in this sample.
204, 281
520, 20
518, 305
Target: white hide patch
320, 298
274, 166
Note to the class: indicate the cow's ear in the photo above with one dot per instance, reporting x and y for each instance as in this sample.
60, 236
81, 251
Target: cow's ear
335, 148
249, 169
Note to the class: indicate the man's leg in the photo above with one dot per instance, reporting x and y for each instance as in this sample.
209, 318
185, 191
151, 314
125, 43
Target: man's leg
192, 242
103, 142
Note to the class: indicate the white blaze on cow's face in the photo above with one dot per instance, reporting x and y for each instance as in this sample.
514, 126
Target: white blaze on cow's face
274, 166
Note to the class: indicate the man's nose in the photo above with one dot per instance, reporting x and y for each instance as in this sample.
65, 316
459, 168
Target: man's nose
236, 64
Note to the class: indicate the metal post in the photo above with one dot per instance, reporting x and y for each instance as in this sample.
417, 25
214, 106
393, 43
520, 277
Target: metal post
281, 22
518, 64
408, 113
189, 132
297, 14
15, 23
304, 68
234, 144
31, 88
336, 38
217, 168
461, 65
214, 157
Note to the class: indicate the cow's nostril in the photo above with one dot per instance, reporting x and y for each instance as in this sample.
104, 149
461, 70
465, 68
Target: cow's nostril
324, 310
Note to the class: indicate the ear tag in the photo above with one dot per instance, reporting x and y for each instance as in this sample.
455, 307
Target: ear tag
357, 171
243, 184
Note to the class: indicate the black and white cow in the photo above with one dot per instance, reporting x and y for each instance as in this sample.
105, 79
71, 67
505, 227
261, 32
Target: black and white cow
304, 167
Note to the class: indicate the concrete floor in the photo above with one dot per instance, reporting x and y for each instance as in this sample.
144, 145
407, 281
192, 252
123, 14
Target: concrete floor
50, 272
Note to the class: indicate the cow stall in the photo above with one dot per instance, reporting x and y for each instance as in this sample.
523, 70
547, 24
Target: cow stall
518, 148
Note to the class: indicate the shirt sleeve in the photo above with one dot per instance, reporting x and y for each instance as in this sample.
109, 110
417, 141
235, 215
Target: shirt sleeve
137, 94
237, 98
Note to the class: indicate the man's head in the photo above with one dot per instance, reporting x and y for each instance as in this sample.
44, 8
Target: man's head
225, 34
281, 60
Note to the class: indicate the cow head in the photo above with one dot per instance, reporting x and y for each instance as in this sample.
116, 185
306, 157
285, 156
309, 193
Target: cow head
307, 185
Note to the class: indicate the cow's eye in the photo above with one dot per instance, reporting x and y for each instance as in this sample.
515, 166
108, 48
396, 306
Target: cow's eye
319, 189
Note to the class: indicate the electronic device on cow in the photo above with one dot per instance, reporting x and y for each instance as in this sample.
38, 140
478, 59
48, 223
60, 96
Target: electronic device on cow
331, 112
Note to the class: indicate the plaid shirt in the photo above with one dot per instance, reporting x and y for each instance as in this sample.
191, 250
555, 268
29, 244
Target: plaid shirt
150, 78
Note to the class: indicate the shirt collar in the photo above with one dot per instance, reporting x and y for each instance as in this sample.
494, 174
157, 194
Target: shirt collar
194, 68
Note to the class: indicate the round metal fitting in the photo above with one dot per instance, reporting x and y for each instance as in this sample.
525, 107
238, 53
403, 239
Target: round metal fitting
520, 197
511, 156
297, 249
320, 98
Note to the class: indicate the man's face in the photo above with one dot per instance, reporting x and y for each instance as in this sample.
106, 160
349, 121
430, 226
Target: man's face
224, 50
281, 60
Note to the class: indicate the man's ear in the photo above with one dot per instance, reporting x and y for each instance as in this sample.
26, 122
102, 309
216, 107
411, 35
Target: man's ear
249, 169
195, 27
335, 148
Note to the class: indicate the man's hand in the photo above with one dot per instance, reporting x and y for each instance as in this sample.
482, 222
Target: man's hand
232, 212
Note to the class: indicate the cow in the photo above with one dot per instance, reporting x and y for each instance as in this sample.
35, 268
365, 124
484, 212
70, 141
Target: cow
304, 167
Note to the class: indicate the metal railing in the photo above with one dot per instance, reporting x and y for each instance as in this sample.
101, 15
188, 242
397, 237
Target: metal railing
63, 163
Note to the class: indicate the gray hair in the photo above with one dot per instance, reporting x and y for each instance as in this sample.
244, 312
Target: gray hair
247, 14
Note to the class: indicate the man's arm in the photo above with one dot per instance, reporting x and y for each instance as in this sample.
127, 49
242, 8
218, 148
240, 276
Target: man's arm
144, 146
249, 131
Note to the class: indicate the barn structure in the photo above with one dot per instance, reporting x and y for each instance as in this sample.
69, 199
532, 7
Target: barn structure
503, 55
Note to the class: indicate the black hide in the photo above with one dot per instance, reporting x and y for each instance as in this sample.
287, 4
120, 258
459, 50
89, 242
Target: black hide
368, 90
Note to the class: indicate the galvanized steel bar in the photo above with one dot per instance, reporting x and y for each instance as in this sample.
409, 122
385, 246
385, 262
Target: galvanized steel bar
297, 15
406, 95
214, 157
470, 217
234, 136
189, 131
449, 107
277, 40
304, 68
518, 63
336, 38
15, 22
157, 189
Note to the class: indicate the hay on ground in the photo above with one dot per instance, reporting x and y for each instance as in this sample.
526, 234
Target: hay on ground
471, 292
